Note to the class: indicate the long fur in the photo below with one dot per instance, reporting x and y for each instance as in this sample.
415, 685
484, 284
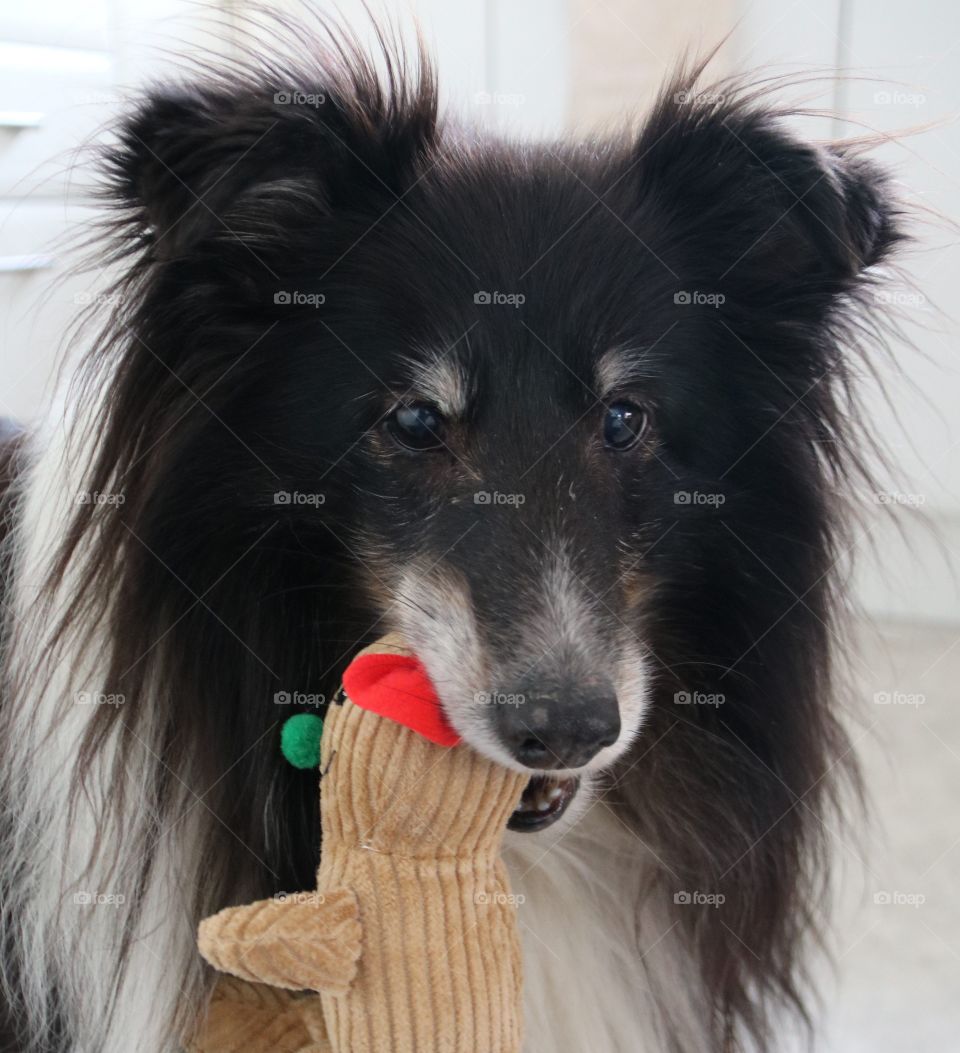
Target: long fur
199, 598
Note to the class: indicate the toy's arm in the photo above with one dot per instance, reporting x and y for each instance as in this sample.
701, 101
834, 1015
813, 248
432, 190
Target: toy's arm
307, 942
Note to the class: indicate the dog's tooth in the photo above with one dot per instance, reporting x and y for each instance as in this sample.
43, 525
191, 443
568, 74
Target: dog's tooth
554, 793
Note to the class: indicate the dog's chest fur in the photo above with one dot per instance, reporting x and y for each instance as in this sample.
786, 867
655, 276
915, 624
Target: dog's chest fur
595, 978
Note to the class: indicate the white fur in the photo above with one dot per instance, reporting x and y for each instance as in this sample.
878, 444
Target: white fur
617, 369
594, 980
63, 943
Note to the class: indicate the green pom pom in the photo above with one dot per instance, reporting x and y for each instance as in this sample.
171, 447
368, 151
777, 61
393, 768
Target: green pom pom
300, 740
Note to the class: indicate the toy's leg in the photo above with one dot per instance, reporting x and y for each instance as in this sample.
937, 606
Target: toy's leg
253, 1018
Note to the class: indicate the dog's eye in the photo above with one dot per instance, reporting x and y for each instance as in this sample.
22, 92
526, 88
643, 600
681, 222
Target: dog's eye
417, 426
624, 425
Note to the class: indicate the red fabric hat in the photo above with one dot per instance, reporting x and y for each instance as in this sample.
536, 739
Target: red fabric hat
397, 687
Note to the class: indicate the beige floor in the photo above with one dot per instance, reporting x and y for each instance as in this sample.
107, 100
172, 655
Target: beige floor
898, 933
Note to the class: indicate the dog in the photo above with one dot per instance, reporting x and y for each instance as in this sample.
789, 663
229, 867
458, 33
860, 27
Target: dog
575, 418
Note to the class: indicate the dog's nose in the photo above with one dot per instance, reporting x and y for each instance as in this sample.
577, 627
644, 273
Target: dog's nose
559, 729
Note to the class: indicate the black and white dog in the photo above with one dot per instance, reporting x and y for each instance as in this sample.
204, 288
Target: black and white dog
574, 418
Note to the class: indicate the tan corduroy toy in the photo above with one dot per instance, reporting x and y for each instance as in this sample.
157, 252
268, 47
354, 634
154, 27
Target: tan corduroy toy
411, 935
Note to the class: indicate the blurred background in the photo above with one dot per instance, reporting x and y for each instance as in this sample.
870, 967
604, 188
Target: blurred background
548, 68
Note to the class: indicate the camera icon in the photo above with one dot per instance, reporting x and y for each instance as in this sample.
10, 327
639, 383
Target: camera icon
282, 698
282, 298
281, 497
682, 898
683, 698
482, 297
482, 497
682, 298
282, 98
882, 898
682, 497
82, 899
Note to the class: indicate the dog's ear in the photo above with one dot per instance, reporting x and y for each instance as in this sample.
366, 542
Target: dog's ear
180, 160
189, 157
753, 210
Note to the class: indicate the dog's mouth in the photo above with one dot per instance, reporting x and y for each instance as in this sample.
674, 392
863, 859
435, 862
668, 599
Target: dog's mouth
544, 801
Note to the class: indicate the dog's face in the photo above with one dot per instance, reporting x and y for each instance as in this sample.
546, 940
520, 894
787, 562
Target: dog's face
506, 475
510, 477
522, 383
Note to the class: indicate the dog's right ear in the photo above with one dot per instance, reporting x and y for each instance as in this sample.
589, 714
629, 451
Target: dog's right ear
179, 163
189, 158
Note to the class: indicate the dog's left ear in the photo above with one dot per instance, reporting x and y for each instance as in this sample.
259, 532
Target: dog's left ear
740, 202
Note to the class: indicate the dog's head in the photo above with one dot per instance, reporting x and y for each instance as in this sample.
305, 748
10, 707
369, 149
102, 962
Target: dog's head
534, 403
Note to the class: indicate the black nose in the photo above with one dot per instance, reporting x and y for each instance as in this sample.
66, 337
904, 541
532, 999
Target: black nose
566, 728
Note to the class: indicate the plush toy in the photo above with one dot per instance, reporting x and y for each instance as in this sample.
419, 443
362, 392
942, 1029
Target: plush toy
410, 937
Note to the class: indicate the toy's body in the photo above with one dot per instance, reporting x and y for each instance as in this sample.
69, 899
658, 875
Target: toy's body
411, 937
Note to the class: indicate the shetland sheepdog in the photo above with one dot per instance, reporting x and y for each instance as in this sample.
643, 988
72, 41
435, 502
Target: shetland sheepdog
576, 418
